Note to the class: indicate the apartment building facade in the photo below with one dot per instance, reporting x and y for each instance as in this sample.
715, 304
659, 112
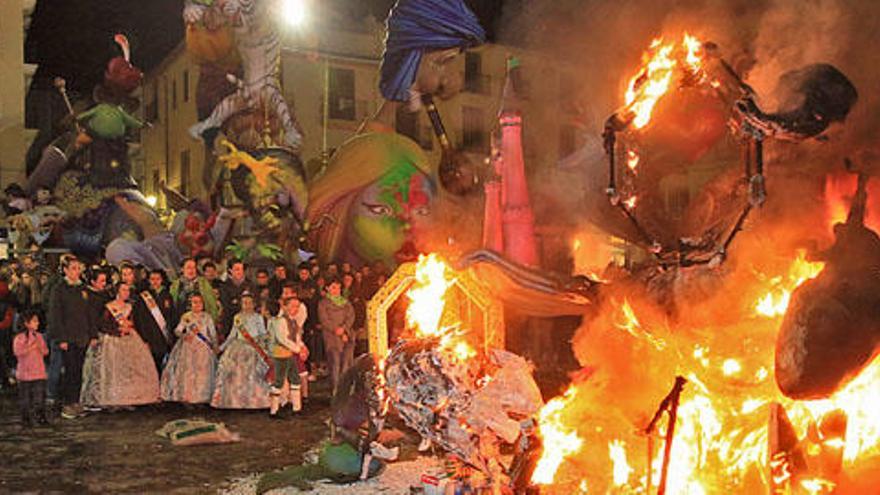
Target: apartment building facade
15, 78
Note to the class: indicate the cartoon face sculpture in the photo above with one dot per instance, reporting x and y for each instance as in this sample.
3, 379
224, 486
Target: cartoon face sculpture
390, 214
374, 202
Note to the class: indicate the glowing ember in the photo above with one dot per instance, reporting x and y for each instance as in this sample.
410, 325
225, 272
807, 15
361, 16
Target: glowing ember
621, 469
656, 76
818, 486
632, 160
775, 302
731, 367
630, 323
559, 440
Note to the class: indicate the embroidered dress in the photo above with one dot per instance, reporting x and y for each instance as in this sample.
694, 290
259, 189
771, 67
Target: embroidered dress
119, 370
192, 364
241, 375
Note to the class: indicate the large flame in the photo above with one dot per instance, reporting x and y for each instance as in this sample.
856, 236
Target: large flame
724, 346
721, 443
559, 440
662, 65
775, 301
427, 302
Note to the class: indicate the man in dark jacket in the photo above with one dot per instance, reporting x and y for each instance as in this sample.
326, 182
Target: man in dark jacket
99, 293
279, 277
153, 312
230, 294
72, 323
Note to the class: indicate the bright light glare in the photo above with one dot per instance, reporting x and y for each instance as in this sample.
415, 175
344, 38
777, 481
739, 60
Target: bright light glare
152, 200
294, 12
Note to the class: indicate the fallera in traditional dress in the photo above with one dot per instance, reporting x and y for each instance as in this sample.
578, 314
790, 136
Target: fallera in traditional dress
241, 381
189, 374
119, 370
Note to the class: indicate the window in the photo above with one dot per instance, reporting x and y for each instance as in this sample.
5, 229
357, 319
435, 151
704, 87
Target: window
474, 79
185, 86
341, 97
408, 123
184, 172
151, 110
155, 182
473, 134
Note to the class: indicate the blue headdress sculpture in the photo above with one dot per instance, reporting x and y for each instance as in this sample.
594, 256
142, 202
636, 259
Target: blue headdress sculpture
415, 26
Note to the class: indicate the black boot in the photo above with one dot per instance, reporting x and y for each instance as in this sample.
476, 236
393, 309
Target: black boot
42, 418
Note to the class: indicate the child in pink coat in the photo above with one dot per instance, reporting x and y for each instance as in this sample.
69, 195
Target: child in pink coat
30, 350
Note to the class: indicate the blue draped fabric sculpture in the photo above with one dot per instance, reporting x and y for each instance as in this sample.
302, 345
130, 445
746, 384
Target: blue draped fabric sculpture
416, 26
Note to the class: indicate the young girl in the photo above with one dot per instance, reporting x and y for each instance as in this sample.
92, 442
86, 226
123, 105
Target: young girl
30, 349
241, 375
189, 374
119, 370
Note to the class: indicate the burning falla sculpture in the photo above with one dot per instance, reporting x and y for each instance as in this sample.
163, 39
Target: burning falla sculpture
832, 326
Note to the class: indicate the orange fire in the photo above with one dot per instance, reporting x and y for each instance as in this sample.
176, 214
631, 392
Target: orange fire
559, 440
632, 160
839, 190
630, 324
775, 302
659, 72
721, 439
427, 301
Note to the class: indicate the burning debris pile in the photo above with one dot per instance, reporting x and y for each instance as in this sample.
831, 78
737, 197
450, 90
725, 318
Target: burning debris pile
469, 408
467, 401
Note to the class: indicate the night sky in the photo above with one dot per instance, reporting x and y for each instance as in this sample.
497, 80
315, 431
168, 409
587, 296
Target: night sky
74, 38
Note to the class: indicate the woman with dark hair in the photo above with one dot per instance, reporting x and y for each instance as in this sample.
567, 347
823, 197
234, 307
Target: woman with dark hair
189, 374
27, 291
119, 371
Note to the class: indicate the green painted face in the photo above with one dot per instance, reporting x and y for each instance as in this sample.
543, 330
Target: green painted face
389, 214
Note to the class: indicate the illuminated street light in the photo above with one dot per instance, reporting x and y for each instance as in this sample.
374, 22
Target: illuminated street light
294, 12
152, 200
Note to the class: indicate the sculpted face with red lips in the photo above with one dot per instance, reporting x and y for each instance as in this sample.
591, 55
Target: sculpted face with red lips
374, 202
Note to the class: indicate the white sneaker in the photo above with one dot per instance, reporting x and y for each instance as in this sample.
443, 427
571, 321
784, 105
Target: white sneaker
425, 445
380, 451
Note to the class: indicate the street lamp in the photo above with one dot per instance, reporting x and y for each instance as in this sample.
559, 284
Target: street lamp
293, 12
